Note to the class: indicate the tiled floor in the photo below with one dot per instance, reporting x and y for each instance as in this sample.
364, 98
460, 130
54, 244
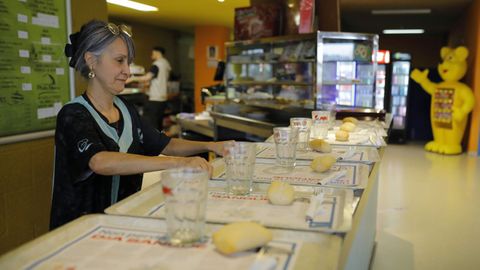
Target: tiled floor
428, 211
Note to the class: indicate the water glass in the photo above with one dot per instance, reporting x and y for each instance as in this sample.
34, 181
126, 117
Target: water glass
240, 164
332, 108
185, 191
321, 124
304, 125
286, 139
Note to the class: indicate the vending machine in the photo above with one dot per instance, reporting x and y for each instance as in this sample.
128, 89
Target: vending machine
399, 83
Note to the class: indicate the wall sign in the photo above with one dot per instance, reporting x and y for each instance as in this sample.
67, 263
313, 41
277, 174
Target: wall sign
34, 73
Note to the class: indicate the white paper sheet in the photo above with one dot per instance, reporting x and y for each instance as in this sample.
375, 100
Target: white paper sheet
106, 247
355, 177
225, 208
358, 154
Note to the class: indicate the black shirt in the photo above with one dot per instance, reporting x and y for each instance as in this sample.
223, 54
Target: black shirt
77, 190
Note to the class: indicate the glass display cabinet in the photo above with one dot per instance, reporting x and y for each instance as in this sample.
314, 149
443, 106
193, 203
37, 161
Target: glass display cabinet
346, 70
270, 80
274, 72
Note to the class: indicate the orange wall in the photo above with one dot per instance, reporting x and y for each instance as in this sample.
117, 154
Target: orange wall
473, 79
207, 36
467, 33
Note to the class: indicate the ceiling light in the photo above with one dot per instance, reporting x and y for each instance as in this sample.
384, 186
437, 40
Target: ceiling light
403, 31
133, 5
290, 5
401, 11
221, 1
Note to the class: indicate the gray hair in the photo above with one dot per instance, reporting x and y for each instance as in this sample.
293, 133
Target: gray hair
94, 37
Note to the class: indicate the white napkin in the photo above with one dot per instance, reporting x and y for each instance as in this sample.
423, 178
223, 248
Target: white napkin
315, 202
332, 177
264, 262
348, 154
320, 211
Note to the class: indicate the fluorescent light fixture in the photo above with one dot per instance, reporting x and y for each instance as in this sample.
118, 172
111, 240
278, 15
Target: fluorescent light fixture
132, 5
401, 11
221, 1
403, 31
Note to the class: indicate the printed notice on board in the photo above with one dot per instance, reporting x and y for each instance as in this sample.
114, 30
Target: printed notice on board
34, 83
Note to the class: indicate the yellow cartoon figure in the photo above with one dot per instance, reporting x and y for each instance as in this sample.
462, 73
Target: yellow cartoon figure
451, 101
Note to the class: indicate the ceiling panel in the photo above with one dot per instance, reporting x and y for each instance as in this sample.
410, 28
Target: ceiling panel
355, 14
182, 14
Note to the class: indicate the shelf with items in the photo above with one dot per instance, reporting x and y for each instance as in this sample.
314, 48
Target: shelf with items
272, 73
270, 83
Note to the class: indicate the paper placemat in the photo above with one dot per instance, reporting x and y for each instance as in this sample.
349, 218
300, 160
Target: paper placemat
345, 175
336, 214
346, 153
105, 246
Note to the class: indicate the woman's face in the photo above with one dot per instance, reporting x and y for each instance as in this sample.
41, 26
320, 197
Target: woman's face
112, 69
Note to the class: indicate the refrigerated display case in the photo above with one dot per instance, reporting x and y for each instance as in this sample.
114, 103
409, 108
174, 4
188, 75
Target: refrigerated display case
346, 71
400, 70
383, 59
270, 80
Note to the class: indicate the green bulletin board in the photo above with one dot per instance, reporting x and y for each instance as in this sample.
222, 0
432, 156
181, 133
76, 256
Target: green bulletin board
34, 73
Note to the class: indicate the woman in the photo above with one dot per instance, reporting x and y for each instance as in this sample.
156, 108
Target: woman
102, 146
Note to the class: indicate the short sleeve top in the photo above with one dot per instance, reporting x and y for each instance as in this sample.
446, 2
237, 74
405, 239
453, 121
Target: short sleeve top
77, 190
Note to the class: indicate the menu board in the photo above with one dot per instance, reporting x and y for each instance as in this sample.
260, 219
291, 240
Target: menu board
34, 73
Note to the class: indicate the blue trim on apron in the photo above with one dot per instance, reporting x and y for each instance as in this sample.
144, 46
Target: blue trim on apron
124, 141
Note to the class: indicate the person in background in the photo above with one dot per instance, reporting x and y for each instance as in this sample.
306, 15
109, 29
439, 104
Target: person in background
102, 146
157, 96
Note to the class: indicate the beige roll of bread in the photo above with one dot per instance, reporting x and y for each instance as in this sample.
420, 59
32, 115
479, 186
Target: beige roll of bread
350, 119
320, 145
240, 236
323, 163
348, 126
280, 193
341, 135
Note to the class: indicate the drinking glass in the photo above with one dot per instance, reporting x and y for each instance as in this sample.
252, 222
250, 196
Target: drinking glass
185, 191
240, 164
321, 124
286, 139
304, 125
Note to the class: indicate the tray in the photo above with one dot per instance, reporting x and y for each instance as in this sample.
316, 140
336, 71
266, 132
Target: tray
222, 208
225, 208
116, 242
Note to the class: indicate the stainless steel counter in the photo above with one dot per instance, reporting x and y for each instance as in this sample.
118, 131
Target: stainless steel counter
242, 124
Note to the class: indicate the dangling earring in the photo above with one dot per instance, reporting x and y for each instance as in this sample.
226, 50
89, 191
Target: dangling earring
91, 74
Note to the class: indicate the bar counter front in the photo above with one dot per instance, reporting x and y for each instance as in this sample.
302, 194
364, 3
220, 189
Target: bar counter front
130, 234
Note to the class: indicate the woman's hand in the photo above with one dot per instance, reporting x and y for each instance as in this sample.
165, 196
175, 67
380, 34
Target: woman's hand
196, 162
217, 147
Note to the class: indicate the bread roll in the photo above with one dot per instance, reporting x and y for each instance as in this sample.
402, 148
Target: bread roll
350, 119
280, 193
320, 146
323, 163
341, 135
348, 126
240, 236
